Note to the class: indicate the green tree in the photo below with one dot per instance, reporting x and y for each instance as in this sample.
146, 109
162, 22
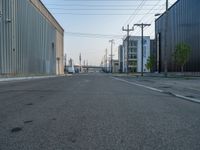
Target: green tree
181, 54
150, 63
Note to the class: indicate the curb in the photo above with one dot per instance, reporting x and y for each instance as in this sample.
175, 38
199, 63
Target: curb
161, 91
25, 78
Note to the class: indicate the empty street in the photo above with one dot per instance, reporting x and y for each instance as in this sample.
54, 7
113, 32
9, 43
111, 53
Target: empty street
94, 112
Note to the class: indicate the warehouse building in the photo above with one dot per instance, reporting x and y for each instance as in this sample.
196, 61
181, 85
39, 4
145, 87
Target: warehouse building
153, 53
181, 24
31, 40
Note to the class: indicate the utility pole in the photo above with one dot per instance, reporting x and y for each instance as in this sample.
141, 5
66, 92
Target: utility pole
127, 30
165, 52
80, 61
65, 67
70, 62
111, 57
106, 60
142, 25
65, 60
87, 66
167, 3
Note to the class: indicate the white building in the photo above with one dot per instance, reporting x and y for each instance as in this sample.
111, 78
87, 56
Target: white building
121, 58
135, 54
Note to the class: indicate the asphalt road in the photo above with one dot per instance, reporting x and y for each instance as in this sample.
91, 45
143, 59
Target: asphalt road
94, 112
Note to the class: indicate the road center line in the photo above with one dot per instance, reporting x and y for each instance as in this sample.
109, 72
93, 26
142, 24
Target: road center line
158, 90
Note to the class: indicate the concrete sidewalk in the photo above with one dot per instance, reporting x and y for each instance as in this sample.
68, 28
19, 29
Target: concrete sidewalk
188, 87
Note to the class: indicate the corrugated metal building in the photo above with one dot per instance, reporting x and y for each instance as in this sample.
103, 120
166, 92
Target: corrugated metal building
180, 25
31, 40
153, 53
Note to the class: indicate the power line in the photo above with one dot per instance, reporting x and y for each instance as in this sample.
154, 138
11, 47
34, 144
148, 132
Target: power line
139, 6
92, 35
93, 14
153, 21
97, 9
150, 11
106, 0
93, 5
154, 6
151, 18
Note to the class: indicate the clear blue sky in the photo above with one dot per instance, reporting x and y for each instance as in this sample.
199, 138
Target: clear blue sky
104, 17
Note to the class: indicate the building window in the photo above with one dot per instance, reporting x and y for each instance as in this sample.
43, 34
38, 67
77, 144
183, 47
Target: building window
135, 50
131, 43
134, 63
135, 43
133, 56
145, 42
131, 50
144, 52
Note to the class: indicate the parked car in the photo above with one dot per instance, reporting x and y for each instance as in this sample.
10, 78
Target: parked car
71, 70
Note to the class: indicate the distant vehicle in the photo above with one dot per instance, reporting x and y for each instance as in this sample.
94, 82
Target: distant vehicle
77, 70
65, 69
71, 70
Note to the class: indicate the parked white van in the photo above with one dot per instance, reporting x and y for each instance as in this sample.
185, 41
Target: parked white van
71, 70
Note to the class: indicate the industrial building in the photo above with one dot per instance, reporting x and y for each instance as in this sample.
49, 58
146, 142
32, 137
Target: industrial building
180, 24
153, 53
135, 53
115, 66
31, 40
121, 57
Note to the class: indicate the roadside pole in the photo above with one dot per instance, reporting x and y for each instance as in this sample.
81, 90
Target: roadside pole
127, 30
142, 25
111, 57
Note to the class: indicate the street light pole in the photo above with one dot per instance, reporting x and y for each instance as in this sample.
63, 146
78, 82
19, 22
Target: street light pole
142, 25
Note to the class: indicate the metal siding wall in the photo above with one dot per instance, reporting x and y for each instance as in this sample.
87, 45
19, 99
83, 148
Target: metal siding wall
184, 26
26, 43
1, 36
6, 29
59, 53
